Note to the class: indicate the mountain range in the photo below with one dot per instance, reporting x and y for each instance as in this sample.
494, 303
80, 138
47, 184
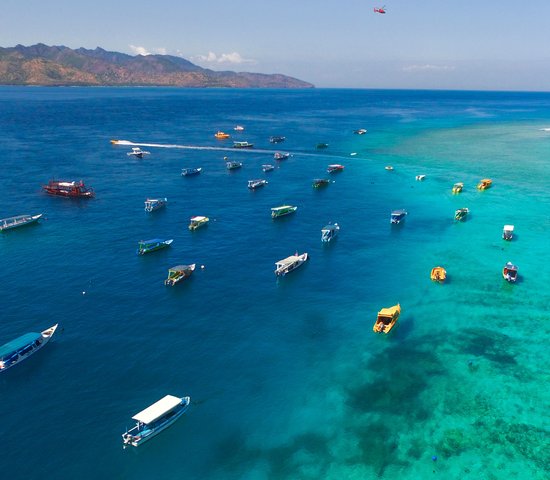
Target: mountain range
62, 66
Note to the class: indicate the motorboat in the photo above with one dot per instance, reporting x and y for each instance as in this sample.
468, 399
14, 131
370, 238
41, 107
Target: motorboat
233, 165
154, 419
242, 145
281, 156
438, 274
329, 232
152, 204
268, 168
510, 272
238, 128
146, 246
72, 189
507, 232
397, 216
18, 221
221, 135
334, 168
461, 214
282, 210
361, 131
320, 182
457, 187
187, 172
197, 222
178, 273
389, 168
386, 319
276, 139
137, 152
485, 184
321, 146
420, 178
254, 184
289, 264
23, 347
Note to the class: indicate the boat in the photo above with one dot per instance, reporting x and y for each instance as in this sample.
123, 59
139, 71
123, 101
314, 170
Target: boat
233, 165
289, 264
152, 204
186, 172
321, 146
221, 135
197, 222
281, 156
23, 347
461, 213
320, 182
238, 128
386, 319
154, 419
484, 184
329, 232
438, 274
146, 246
68, 189
507, 232
178, 273
242, 145
282, 210
420, 178
18, 221
510, 272
253, 184
137, 152
361, 131
276, 139
389, 168
397, 216
268, 168
335, 168
457, 187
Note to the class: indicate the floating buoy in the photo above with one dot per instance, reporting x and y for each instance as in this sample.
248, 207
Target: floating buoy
202, 267
434, 458
83, 293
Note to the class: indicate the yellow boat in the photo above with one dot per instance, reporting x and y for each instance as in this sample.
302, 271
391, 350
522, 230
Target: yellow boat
457, 187
485, 184
438, 274
386, 319
197, 222
221, 135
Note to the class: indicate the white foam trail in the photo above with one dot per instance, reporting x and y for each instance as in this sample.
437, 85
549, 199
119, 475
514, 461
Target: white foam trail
545, 129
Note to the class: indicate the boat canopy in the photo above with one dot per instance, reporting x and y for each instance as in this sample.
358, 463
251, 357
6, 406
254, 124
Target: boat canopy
198, 219
330, 227
509, 228
19, 343
387, 312
181, 268
158, 409
284, 207
398, 212
288, 260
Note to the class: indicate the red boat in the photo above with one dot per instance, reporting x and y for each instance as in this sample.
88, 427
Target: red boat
69, 189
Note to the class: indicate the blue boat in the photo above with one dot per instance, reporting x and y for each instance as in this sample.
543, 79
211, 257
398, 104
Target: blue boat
146, 246
152, 204
397, 216
186, 172
23, 347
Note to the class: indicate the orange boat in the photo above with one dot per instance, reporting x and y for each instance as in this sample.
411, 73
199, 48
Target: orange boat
438, 274
485, 184
386, 319
221, 135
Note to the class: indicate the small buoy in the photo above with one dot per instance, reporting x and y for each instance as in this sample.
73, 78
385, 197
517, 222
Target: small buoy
434, 458
202, 267
83, 293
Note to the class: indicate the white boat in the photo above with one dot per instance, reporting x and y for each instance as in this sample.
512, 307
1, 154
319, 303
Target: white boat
152, 204
268, 168
420, 178
283, 210
397, 216
18, 221
238, 128
329, 232
187, 172
508, 232
233, 165
23, 347
289, 264
155, 418
254, 184
137, 152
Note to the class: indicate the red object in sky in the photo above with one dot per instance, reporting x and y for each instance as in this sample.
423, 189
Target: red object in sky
380, 10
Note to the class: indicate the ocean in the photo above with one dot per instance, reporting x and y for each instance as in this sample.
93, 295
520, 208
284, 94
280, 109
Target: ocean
287, 379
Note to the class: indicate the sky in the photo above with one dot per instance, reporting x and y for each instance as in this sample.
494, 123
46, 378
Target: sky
424, 44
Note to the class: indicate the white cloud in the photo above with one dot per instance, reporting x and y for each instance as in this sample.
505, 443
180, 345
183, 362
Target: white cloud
232, 58
428, 68
137, 50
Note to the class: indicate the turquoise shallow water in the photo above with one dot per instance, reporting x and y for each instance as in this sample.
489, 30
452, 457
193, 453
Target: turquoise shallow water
287, 379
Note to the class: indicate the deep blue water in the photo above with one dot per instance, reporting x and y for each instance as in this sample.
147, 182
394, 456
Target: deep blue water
286, 378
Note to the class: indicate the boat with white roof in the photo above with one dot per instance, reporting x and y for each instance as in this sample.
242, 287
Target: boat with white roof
137, 152
152, 204
507, 232
283, 210
254, 184
289, 264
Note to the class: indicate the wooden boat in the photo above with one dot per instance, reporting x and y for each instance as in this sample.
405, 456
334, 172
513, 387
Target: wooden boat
154, 419
507, 232
386, 319
457, 187
461, 214
361, 131
68, 189
485, 184
329, 232
186, 172
152, 204
268, 168
276, 139
233, 165
289, 264
146, 246
334, 168
221, 135
438, 274
510, 272
282, 210
18, 221
420, 178
137, 152
321, 146
242, 145
397, 216
197, 222
23, 347
254, 184
178, 273
281, 156
320, 182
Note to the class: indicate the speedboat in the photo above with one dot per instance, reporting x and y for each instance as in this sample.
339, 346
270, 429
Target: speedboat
221, 135
281, 156
329, 232
276, 139
484, 184
238, 128
386, 319
197, 222
289, 264
438, 274
152, 204
178, 273
397, 216
233, 165
335, 167
507, 232
186, 172
18, 221
68, 189
461, 214
457, 187
23, 347
146, 246
389, 168
320, 182
510, 272
242, 145
268, 168
420, 178
361, 131
154, 419
282, 210
137, 152
253, 184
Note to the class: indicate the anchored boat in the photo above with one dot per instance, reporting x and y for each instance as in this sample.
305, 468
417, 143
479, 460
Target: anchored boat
510, 272
289, 264
221, 135
386, 319
461, 214
276, 139
420, 178
507, 232
187, 172
485, 184
361, 131
281, 156
320, 182
178, 273
254, 184
18, 221
242, 145
397, 216
329, 232
155, 418
457, 187
268, 168
321, 146
335, 168
283, 210
233, 165
197, 222
68, 189
146, 246
438, 274
152, 204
